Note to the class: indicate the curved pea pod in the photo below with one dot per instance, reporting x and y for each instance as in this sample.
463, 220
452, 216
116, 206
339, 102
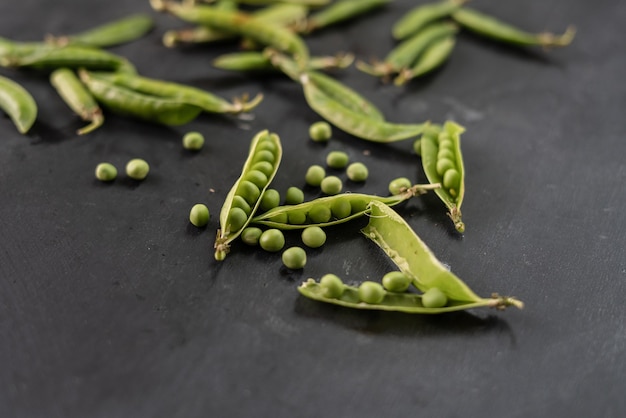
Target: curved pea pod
433, 57
112, 33
205, 100
420, 16
353, 122
78, 98
167, 111
340, 11
332, 210
404, 247
18, 103
245, 195
498, 30
446, 167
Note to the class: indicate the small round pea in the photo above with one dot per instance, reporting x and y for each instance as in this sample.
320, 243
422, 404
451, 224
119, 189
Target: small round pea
236, 218
199, 215
313, 236
137, 169
331, 185
250, 235
297, 218
268, 146
371, 292
399, 185
332, 285
264, 155
314, 175
248, 191
320, 131
193, 141
280, 218
396, 281
445, 153
272, 240
270, 199
257, 178
320, 214
240, 202
294, 258
294, 196
451, 179
358, 205
444, 165
446, 144
337, 159
434, 298
264, 167
357, 172
106, 172
341, 209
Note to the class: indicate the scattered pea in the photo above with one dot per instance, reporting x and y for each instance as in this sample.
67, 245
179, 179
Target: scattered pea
320, 131
434, 298
106, 172
357, 172
396, 281
270, 199
137, 169
331, 185
294, 258
272, 240
314, 175
399, 185
313, 236
193, 141
250, 235
294, 196
337, 159
199, 215
332, 285
371, 292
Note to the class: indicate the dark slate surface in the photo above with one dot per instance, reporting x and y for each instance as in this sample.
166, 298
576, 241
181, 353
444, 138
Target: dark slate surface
111, 304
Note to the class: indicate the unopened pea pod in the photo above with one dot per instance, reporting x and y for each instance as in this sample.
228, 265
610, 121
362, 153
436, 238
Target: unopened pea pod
355, 123
262, 61
11, 52
341, 208
340, 11
231, 221
310, 3
405, 248
112, 33
433, 57
420, 16
191, 95
167, 111
78, 98
450, 194
18, 103
496, 29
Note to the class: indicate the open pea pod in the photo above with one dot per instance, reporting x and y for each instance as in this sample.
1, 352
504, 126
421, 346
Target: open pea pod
443, 163
245, 195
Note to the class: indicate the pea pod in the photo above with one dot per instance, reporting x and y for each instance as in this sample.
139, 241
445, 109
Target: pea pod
244, 197
340, 11
78, 98
433, 57
262, 61
331, 210
11, 52
18, 103
496, 29
421, 16
109, 34
446, 168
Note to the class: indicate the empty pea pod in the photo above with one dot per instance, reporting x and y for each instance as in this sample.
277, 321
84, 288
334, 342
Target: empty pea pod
233, 219
420, 16
78, 98
340, 11
433, 57
18, 103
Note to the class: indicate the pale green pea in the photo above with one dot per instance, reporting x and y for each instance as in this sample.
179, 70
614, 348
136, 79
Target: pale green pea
193, 141
236, 219
331, 185
240, 202
446, 144
341, 209
396, 281
294, 258
297, 218
444, 165
337, 159
314, 175
280, 218
272, 240
320, 214
106, 172
357, 172
257, 178
270, 199
451, 179
434, 298
199, 215
445, 153
320, 131
267, 146
332, 285
358, 205
399, 185
250, 235
264, 155
371, 292
264, 167
294, 196
137, 169
248, 191
313, 236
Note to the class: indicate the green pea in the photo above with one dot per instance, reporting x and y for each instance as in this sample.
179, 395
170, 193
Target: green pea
248, 191
399, 185
294, 196
236, 219
313, 236
331, 185
332, 285
297, 218
446, 143
445, 153
319, 214
257, 178
270, 199
444, 165
267, 146
106, 172
294, 258
341, 208
417, 146
264, 155
451, 179
314, 175
264, 167
337, 159
250, 235
357, 172
358, 205
396, 281
371, 292
199, 215
240, 202
193, 141
280, 218
137, 169
434, 298
320, 131
272, 240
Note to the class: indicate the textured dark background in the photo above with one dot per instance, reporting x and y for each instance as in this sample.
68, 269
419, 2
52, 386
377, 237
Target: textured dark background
111, 304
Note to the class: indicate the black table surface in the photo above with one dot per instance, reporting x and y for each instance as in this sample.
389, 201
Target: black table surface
112, 305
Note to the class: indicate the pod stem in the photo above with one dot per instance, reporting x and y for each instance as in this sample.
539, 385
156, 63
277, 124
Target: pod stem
376, 68
548, 40
403, 77
243, 104
340, 60
96, 119
419, 189
502, 302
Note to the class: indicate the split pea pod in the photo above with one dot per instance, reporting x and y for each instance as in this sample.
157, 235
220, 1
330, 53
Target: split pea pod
18, 103
433, 57
78, 98
443, 163
245, 195
331, 210
496, 29
420, 16
340, 11
112, 33
167, 111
